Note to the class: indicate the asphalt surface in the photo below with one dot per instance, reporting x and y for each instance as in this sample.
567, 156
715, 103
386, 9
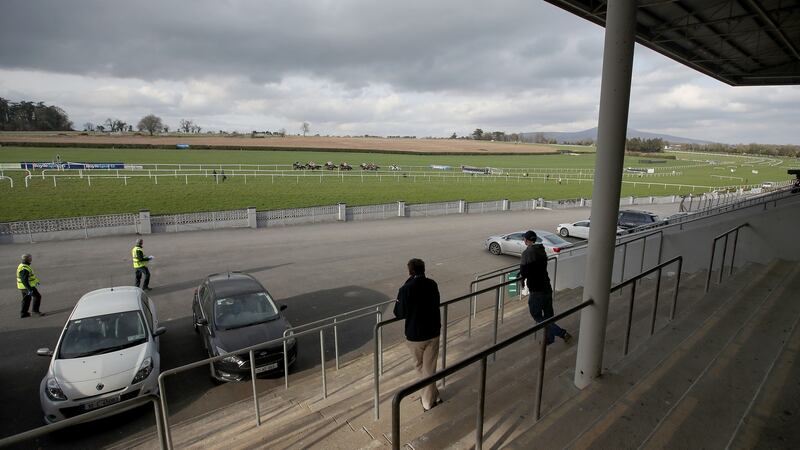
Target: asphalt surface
317, 270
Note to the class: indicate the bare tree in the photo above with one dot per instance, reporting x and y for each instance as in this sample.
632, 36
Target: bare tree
305, 127
151, 123
88, 126
187, 126
282, 132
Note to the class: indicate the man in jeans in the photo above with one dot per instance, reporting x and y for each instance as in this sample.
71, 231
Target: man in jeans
418, 304
533, 271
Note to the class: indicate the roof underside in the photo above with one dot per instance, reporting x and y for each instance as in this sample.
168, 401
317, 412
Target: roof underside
739, 42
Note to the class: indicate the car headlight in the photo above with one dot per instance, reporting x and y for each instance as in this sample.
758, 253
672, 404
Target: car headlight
53, 390
144, 370
232, 359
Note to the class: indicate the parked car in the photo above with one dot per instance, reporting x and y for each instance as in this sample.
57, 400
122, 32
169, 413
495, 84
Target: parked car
631, 218
513, 243
579, 229
107, 353
232, 311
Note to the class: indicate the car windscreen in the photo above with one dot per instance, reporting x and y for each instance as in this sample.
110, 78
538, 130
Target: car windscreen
102, 334
243, 310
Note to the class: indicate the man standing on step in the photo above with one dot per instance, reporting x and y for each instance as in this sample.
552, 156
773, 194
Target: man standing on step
533, 272
418, 304
26, 283
140, 265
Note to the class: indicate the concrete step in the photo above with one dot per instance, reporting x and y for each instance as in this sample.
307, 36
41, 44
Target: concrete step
709, 412
771, 420
511, 394
631, 375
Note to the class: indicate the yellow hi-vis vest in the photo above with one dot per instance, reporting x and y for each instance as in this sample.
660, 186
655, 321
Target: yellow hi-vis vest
137, 263
32, 280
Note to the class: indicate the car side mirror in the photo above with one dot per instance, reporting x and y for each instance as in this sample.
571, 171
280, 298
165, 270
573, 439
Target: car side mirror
44, 352
202, 321
159, 331
283, 307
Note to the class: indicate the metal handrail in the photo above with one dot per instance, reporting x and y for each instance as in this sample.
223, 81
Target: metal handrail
724, 253
632, 282
251, 350
481, 356
336, 321
106, 411
473, 310
378, 349
642, 238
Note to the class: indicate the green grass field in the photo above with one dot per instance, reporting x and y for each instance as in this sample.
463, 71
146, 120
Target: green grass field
75, 197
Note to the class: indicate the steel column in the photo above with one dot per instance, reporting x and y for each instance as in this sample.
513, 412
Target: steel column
255, 391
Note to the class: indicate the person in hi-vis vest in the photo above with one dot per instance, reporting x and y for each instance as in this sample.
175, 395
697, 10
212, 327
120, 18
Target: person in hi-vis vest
26, 283
140, 265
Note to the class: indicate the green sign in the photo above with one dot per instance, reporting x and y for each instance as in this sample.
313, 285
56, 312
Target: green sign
513, 288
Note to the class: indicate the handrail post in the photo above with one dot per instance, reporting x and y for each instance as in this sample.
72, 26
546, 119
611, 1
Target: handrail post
555, 279
322, 362
481, 407
285, 363
540, 377
675, 294
630, 319
724, 253
376, 374
159, 424
496, 311
470, 308
444, 341
255, 391
711, 264
644, 253
624, 257
336, 342
162, 398
655, 304
380, 343
733, 253
502, 298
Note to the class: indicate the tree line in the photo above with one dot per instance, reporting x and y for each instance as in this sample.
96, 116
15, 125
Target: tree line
32, 116
750, 149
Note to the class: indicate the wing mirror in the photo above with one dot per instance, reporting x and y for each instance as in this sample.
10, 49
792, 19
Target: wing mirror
283, 307
44, 352
159, 331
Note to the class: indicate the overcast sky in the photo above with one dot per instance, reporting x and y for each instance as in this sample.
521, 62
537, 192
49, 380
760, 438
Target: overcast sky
411, 67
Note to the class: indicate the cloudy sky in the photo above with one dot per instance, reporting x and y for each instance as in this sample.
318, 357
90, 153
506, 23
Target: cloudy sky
411, 67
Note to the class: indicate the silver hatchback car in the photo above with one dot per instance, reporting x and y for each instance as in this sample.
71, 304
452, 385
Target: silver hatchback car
513, 243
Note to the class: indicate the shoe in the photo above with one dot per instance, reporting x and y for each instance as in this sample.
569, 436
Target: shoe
24, 315
567, 337
147, 289
39, 313
438, 401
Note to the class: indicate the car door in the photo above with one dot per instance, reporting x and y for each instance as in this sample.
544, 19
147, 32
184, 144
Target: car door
580, 229
206, 312
149, 317
513, 243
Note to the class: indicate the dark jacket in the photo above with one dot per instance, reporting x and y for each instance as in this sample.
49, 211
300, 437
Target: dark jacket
533, 269
418, 304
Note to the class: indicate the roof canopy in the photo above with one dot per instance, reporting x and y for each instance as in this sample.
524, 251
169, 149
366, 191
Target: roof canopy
739, 42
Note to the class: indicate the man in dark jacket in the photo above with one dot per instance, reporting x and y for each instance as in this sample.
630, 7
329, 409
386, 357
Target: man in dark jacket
533, 271
418, 304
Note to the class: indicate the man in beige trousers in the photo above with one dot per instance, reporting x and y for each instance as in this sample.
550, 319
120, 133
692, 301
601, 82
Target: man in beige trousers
418, 304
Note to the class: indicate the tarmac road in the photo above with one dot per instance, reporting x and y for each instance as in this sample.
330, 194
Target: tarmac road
317, 270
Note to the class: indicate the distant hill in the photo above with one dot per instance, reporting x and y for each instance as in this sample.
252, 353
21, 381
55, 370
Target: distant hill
591, 133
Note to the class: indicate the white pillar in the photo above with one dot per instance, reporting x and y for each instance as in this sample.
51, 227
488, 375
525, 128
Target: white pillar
401, 208
614, 102
342, 216
252, 220
144, 222
506, 205
462, 206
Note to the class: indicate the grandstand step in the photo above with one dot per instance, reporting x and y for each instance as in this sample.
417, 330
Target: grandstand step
709, 412
641, 383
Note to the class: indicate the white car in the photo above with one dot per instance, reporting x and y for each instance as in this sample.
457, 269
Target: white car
579, 229
107, 353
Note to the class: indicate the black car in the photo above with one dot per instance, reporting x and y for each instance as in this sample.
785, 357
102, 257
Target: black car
630, 218
233, 311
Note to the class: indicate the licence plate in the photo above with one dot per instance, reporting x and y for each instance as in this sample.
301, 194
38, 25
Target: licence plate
101, 403
267, 367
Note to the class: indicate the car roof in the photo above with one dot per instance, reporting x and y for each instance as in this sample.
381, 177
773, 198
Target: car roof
107, 301
233, 283
636, 211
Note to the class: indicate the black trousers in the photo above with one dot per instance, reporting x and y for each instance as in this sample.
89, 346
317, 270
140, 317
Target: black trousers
146, 272
26, 301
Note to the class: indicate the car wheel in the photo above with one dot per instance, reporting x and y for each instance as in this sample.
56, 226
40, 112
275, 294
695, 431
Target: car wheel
564, 232
494, 248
